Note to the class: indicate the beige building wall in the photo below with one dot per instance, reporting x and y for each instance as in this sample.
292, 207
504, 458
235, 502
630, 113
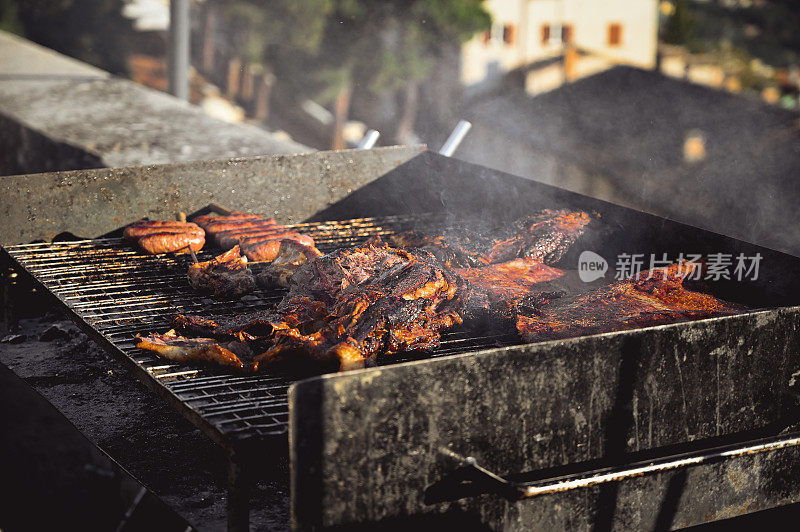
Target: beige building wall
536, 33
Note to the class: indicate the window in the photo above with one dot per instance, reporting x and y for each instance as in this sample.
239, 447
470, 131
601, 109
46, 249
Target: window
566, 33
508, 34
614, 34
545, 34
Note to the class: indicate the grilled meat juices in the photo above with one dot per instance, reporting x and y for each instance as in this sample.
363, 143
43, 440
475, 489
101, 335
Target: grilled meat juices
155, 237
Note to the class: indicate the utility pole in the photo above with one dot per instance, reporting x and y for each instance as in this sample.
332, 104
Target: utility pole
178, 51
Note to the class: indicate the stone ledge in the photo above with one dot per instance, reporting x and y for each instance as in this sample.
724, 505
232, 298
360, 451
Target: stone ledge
57, 113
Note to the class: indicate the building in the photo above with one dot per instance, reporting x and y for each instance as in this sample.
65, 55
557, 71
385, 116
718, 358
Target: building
725, 162
532, 34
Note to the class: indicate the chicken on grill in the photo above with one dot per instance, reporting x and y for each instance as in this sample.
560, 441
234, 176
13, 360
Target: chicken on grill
233, 354
653, 297
544, 237
224, 276
156, 237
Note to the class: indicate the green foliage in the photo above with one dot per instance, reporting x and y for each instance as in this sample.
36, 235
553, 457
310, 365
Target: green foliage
321, 46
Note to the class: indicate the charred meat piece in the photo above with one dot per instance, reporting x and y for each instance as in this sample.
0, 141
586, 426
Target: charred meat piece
291, 255
173, 347
376, 299
514, 279
343, 309
265, 248
544, 236
224, 276
157, 237
493, 291
654, 297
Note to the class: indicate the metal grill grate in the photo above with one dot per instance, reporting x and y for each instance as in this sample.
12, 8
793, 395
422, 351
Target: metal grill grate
115, 292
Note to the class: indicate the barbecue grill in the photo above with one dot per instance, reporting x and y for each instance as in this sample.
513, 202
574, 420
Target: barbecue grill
669, 425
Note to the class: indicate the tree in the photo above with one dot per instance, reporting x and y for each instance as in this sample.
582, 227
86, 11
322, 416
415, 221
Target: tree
324, 49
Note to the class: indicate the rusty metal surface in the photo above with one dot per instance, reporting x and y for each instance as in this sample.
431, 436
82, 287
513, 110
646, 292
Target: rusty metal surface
90, 203
364, 445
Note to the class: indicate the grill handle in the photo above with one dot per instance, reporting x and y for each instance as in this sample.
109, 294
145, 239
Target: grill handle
471, 479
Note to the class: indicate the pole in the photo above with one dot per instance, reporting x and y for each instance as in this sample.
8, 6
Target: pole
455, 138
178, 50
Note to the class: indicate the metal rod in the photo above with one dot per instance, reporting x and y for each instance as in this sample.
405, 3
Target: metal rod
455, 138
369, 140
518, 491
178, 49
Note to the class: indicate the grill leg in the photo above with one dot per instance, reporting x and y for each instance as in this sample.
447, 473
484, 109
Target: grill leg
239, 484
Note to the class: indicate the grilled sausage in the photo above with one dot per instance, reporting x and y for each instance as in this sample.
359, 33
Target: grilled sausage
139, 229
228, 240
166, 242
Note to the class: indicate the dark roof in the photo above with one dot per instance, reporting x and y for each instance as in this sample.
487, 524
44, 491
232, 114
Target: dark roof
630, 125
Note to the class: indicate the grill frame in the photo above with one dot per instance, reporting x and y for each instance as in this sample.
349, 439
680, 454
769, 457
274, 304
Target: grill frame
232, 409
368, 183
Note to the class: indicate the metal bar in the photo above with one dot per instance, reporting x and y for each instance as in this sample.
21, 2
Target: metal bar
369, 140
455, 138
494, 483
178, 51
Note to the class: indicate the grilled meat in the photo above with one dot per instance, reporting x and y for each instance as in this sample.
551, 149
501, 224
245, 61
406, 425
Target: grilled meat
343, 309
653, 297
544, 237
224, 276
375, 299
157, 243
509, 280
173, 347
291, 255
265, 248
142, 228
259, 238
493, 291
157, 237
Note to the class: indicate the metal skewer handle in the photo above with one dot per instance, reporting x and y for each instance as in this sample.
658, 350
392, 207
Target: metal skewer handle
472, 479
455, 138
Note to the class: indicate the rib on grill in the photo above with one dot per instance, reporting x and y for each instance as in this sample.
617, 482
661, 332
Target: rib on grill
157, 237
544, 236
653, 297
341, 310
346, 307
224, 276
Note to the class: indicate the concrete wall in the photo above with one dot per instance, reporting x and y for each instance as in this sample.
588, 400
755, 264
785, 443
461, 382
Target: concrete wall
57, 113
